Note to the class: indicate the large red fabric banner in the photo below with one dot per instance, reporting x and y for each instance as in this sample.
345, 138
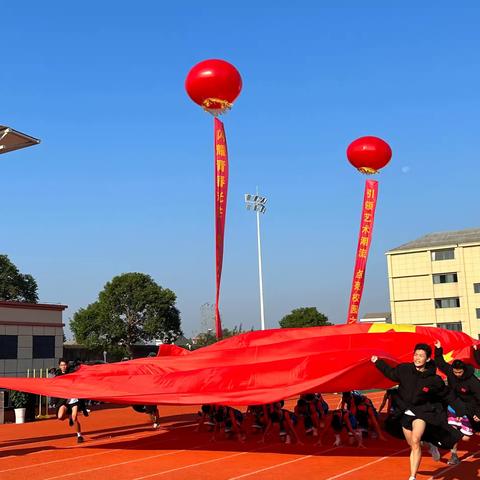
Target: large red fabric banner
221, 190
364, 240
253, 368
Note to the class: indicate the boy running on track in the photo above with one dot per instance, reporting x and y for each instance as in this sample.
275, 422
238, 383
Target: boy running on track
362, 407
476, 355
151, 410
464, 399
338, 421
230, 421
206, 417
68, 407
257, 416
420, 394
286, 422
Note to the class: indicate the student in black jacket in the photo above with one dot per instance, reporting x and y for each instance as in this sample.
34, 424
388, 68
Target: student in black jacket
464, 384
68, 407
464, 396
421, 393
476, 355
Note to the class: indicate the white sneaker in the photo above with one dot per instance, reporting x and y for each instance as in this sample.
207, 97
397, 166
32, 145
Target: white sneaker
434, 452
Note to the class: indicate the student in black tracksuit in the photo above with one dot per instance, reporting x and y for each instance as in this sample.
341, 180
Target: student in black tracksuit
68, 407
476, 355
420, 395
464, 396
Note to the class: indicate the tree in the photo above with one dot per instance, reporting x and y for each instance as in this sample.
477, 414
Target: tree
16, 286
131, 308
304, 317
207, 338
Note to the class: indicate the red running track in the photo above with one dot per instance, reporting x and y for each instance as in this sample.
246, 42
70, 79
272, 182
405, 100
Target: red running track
121, 445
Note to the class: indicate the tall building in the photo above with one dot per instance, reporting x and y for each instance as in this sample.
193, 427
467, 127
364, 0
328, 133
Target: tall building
435, 281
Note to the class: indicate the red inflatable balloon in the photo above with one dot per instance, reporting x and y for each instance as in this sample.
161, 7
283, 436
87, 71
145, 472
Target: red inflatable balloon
369, 154
214, 85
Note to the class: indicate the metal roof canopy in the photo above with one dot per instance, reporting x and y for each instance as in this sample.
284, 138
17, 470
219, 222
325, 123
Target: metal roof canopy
11, 140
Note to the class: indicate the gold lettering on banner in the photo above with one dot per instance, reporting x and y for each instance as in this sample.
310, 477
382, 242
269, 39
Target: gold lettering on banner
370, 193
368, 205
220, 150
221, 165
359, 274
220, 181
364, 241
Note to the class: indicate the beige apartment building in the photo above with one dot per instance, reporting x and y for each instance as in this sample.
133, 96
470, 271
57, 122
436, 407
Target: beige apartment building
435, 281
31, 337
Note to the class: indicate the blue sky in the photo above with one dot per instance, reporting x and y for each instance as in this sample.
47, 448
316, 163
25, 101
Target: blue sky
122, 180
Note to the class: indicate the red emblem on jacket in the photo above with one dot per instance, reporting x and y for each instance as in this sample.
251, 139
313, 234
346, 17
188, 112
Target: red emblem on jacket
425, 389
463, 390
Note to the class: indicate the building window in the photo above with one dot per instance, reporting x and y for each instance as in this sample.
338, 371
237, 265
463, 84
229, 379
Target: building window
447, 302
478, 312
454, 326
445, 254
8, 347
445, 278
476, 287
43, 346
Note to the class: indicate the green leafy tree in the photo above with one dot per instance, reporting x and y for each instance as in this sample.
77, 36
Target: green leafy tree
131, 308
304, 317
207, 338
16, 286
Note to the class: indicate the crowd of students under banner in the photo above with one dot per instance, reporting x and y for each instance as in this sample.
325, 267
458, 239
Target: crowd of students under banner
423, 408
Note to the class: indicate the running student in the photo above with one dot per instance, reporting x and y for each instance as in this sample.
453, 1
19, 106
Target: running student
206, 416
476, 354
230, 421
286, 423
338, 421
464, 398
420, 395
152, 411
68, 407
257, 417
365, 414
305, 419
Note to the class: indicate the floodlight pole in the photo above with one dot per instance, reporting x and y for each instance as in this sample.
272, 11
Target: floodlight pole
257, 203
260, 276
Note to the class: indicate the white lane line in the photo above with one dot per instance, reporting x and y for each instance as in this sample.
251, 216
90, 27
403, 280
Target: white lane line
78, 457
193, 465
441, 472
278, 464
116, 464
367, 464
56, 461
66, 459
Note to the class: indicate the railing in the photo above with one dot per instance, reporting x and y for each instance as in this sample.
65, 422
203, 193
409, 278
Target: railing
43, 401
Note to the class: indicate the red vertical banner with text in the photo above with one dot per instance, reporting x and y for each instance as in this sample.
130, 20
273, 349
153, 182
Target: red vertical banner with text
364, 240
221, 190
